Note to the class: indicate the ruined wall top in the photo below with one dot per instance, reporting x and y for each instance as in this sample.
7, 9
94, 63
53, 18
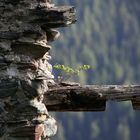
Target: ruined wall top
26, 28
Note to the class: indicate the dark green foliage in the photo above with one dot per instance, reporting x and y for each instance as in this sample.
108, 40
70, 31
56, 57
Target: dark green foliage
107, 37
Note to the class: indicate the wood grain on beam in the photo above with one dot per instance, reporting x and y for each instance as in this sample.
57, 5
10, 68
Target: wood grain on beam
89, 97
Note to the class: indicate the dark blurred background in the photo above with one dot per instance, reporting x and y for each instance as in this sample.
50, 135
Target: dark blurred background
107, 37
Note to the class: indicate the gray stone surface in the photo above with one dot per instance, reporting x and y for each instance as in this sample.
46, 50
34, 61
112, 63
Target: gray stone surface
25, 71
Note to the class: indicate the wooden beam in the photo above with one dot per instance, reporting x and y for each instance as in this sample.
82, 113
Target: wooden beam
89, 97
136, 104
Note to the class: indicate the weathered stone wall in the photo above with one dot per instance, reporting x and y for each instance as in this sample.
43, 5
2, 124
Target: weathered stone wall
26, 28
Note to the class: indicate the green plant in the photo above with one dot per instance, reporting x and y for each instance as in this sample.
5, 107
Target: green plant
68, 72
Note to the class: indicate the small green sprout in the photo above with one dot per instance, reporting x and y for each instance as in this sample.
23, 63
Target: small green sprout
69, 71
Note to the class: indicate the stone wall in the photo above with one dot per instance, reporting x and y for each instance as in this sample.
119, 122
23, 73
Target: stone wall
26, 30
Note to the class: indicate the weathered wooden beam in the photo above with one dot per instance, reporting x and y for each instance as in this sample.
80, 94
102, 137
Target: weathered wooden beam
89, 97
136, 104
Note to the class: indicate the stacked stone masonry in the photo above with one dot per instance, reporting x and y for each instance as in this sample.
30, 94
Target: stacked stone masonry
26, 29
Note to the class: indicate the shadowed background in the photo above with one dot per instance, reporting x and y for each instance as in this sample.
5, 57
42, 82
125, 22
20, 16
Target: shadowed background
106, 37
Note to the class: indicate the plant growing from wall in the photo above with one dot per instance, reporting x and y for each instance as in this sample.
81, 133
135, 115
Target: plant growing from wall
68, 72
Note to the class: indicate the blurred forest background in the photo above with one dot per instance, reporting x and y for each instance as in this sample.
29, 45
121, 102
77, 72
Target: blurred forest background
107, 37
